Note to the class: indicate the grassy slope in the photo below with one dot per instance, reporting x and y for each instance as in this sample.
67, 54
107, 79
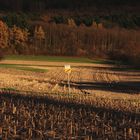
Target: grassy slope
67, 59
22, 67
56, 59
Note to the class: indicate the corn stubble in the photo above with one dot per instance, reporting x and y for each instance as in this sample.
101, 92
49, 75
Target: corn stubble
25, 118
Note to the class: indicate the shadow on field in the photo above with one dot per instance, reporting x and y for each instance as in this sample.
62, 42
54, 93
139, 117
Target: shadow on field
123, 87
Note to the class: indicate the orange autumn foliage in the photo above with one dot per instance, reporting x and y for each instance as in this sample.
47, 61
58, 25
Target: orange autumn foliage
4, 34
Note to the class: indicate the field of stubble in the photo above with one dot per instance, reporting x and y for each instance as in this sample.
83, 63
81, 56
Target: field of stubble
97, 84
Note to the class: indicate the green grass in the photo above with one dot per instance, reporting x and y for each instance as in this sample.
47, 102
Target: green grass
22, 67
32, 69
8, 88
56, 59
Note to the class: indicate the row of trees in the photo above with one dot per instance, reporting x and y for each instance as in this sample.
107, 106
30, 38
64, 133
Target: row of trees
22, 20
16, 39
53, 39
109, 21
12, 37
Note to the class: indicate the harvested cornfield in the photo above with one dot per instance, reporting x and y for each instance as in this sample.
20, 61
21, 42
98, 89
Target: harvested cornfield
103, 86
103, 103
37, 118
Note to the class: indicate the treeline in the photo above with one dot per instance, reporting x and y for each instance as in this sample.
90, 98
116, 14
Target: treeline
109, 21
70, 40
35, 5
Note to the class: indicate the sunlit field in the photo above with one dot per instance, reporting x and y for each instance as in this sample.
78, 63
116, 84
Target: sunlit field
69, 70
35, 102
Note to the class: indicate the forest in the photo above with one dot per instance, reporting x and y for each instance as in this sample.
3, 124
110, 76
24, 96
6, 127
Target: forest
92, 28
70, 40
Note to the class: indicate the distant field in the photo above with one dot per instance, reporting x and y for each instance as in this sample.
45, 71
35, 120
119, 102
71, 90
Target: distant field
56, 59
22, 67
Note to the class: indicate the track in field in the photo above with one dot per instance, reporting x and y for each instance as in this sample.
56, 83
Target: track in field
88, 79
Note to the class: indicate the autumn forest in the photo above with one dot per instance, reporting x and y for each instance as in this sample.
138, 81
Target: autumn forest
96, 29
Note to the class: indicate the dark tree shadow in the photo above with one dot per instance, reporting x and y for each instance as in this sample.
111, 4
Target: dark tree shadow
120, 87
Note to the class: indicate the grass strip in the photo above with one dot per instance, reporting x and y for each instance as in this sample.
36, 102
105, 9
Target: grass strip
22, 67
57, 59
